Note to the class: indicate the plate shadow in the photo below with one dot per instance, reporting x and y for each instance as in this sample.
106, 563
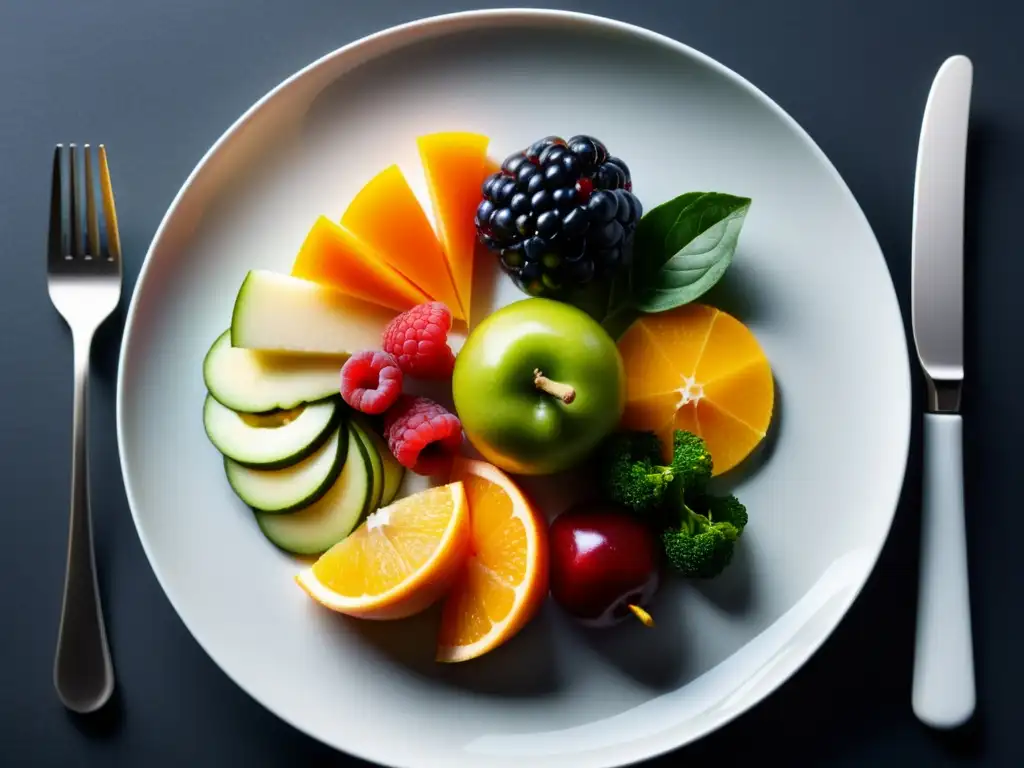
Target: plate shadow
522, 668
732, 590
654, 657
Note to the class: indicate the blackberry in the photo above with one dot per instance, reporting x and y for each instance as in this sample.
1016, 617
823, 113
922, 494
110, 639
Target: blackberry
559, 214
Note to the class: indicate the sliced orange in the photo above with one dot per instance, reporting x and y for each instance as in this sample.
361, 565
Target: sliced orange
699, 369
399, 562
387, 216
505, 578
331, 255
454, 164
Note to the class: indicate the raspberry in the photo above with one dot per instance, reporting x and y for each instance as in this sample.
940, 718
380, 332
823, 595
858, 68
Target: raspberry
422, 435
418, 338
371, 381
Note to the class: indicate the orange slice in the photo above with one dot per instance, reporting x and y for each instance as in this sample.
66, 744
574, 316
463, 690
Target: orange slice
331, 255
455, 167
505, 579
386, 215
699, 369
401, 560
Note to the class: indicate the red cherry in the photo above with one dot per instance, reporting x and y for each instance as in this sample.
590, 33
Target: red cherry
604, 565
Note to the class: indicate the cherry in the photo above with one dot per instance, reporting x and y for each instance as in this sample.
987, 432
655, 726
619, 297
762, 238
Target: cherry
604, 565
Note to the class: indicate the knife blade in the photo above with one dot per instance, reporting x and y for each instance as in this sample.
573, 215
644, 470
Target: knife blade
937, 272
943, 691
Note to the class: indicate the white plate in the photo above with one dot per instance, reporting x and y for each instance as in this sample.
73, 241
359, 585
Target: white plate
809, 278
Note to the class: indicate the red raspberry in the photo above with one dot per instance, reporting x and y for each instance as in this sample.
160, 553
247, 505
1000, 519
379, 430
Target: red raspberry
422, 435
371, 381
418, 338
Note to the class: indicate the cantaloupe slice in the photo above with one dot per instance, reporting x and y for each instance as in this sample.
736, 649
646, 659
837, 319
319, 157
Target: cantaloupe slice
386, 215
331, 255
455, 167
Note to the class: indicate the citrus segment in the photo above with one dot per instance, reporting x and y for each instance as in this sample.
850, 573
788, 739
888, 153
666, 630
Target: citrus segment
701, 370
650, 412
744, 393
681, 336
505, 577
685, 419
730, 346
645, 376
386, 215
331, 255
402, 559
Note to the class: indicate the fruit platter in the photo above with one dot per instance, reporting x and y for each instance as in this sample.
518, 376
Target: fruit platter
464, 426
317, 395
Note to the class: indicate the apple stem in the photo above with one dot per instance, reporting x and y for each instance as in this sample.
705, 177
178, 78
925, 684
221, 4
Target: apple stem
644, 616
563, 392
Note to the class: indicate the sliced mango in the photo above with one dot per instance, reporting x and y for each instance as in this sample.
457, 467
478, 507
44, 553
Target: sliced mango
455, 165
386, 215
333, 256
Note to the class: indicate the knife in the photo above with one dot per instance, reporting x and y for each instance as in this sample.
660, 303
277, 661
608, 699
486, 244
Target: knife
943, 687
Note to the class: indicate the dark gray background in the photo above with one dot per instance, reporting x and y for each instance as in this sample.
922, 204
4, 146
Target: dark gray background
159, 81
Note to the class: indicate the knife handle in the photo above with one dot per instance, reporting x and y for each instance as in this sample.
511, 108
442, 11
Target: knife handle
943, 689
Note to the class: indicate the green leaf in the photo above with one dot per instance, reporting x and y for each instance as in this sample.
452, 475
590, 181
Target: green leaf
683, 247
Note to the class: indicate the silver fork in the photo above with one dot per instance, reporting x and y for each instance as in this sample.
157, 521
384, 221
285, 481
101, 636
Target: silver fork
84, 281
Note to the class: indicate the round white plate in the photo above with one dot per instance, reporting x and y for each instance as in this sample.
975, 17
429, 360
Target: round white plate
809, 279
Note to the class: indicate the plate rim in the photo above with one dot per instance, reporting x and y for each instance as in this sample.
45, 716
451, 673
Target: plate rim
503, 16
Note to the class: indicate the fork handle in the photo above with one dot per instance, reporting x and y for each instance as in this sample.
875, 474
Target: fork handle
82, 672
943, 683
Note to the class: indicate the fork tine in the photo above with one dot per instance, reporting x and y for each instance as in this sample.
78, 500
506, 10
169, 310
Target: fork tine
75, 246
92, 228
109, 211
55, 247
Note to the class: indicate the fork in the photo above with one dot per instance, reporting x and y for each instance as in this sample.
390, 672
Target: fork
84, 282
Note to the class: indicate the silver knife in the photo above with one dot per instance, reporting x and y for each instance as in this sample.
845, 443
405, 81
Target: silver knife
943, 687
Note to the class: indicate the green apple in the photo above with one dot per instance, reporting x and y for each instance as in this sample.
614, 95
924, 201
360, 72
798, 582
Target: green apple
537, 385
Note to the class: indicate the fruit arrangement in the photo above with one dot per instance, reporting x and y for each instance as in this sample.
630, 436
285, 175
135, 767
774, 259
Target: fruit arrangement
372, 418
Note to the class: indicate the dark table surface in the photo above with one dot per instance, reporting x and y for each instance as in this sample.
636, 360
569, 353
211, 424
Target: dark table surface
159, 81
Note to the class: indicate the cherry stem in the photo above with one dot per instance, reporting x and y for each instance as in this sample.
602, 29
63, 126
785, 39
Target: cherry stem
640, 613
563, 392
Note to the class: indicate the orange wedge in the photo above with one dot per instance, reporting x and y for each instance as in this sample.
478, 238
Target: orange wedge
399, 562
454, 164
505, 578
387, 216
331, 255
699, 369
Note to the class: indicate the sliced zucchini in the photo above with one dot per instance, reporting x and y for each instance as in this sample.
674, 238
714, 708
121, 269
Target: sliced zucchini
250, 381
272, 440
295, 487
334, 516
394, 472
376, 465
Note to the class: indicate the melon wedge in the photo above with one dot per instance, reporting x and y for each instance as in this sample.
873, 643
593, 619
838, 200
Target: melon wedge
386, 215
281, 313
455, 165
333, 256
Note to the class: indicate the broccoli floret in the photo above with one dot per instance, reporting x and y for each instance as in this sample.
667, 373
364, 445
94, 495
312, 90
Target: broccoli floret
691, 460
635, 476
631, 471
701, 544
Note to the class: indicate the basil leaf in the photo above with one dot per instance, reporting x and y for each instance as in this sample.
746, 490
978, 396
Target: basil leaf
683, 247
